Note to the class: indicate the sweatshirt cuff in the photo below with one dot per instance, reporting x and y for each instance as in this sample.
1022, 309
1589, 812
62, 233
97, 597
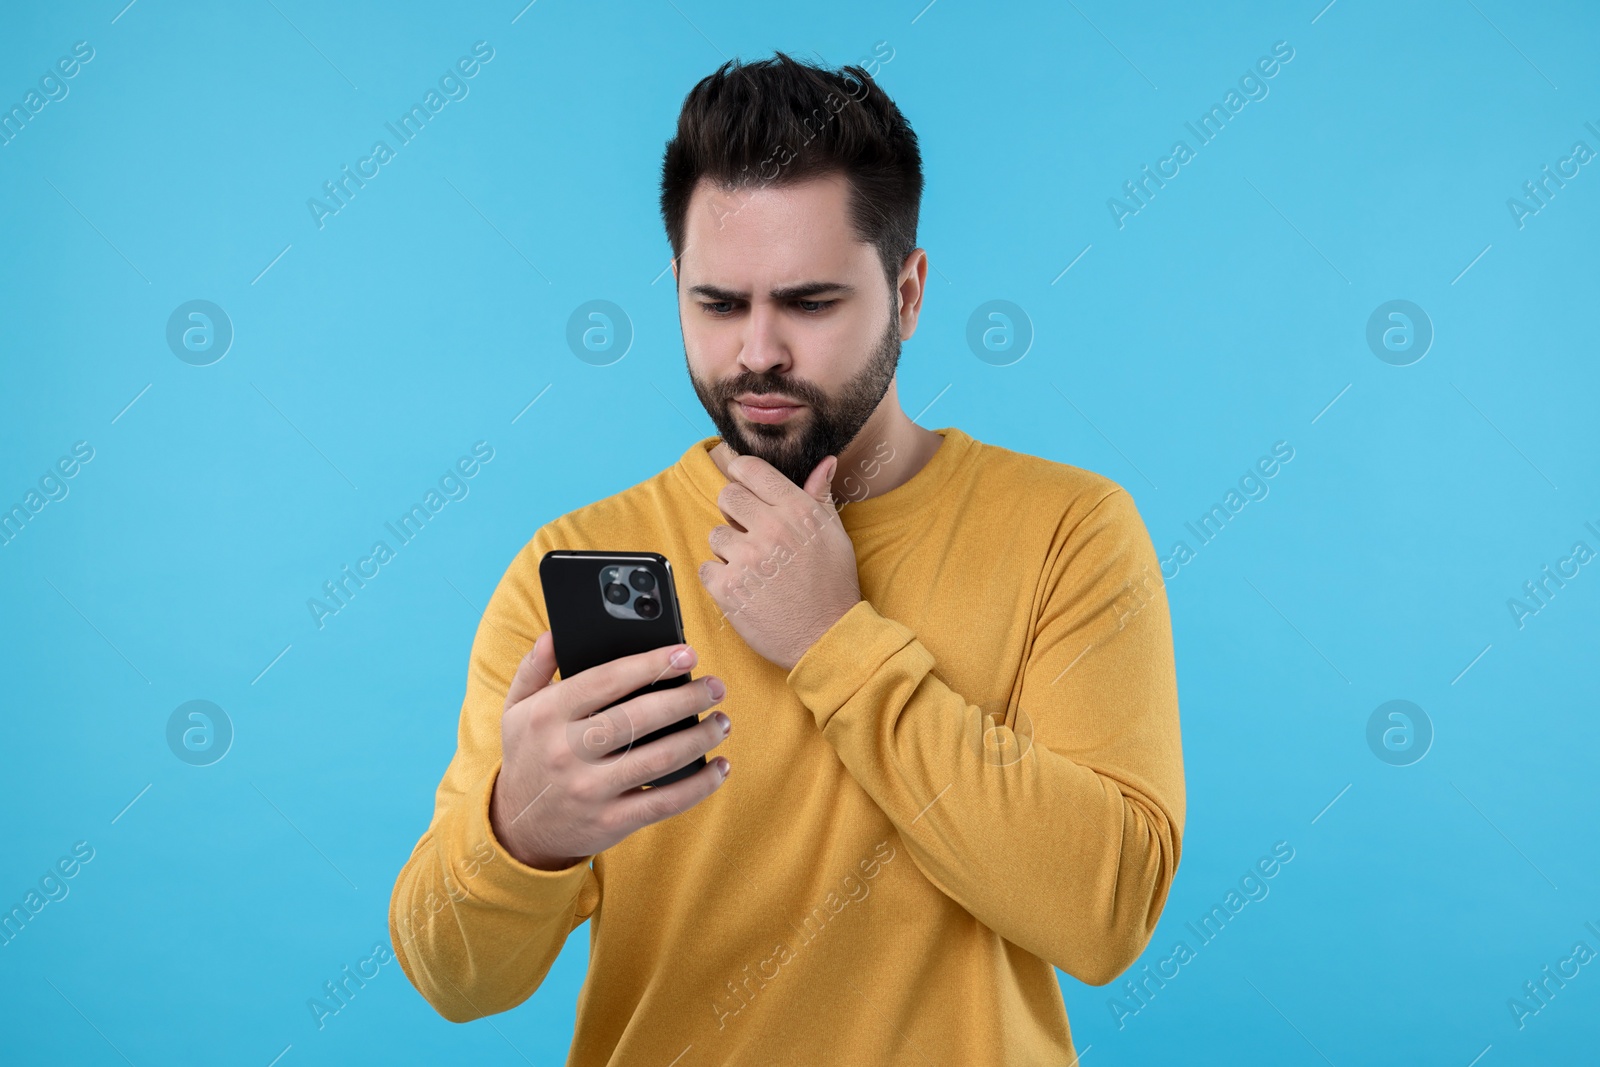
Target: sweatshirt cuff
486, 871
844, 658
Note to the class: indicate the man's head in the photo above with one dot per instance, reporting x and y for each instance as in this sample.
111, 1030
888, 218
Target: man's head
790, 196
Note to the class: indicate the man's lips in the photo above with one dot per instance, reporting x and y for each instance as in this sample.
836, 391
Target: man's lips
769, 408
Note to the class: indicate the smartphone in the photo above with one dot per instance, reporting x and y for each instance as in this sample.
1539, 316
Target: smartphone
605, 605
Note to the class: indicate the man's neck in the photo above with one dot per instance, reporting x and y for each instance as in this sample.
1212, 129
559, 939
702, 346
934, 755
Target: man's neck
888, 451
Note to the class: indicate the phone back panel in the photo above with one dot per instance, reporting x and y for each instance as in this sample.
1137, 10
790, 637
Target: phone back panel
587, 634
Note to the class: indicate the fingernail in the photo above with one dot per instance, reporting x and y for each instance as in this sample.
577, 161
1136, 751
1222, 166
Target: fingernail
718, 690
723, 765
683, 657
722, 721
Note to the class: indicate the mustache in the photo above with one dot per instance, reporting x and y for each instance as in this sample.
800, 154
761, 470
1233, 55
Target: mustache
763, 385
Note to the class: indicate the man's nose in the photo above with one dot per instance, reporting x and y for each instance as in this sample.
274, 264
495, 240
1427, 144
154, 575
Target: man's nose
765, 348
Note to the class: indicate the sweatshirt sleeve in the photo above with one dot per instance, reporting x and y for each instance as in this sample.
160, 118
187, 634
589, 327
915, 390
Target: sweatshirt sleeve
476, 930
1060, 828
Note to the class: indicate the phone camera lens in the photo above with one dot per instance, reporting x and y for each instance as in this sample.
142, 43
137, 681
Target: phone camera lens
647, 607
616, 593
642, 580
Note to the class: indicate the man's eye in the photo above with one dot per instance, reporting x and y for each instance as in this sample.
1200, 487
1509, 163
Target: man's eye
821, 305
711, 308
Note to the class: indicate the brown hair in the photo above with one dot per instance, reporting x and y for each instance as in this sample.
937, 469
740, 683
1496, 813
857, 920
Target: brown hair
778, 121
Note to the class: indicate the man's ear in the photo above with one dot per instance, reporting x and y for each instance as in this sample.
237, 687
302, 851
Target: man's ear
909, 293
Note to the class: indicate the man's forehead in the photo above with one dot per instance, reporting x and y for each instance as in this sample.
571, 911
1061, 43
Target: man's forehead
814, 208
775, 237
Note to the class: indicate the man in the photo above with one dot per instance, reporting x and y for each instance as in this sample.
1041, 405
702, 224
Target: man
951, 690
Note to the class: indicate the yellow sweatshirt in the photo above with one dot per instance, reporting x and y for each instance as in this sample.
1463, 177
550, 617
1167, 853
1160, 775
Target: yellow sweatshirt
887, 876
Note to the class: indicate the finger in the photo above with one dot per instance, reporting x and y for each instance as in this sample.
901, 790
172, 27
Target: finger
588, 691
740, 506
722, 538
819, 485
766, 482
710, 575
641, 807
723, 453
606, 732
666, 754
534, 672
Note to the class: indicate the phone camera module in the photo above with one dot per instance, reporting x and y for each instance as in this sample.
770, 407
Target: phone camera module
642, 580
647, 607
616, 593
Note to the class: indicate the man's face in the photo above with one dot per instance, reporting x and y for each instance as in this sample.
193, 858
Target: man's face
790, 377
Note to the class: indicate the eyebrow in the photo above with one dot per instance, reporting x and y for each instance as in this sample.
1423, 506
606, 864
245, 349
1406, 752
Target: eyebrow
803, 291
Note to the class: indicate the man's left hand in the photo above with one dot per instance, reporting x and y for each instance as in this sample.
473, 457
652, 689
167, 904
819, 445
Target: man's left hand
786, 569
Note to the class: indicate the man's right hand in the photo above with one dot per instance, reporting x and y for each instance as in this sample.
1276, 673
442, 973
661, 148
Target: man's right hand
564, 791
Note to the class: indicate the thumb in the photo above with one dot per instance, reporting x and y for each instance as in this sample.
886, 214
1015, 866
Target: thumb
534, 672
818, 486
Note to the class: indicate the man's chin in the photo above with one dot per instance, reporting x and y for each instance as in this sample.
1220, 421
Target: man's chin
776, 448
766, 431
771, 450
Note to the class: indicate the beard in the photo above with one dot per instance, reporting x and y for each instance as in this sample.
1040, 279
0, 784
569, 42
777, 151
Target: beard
825, 428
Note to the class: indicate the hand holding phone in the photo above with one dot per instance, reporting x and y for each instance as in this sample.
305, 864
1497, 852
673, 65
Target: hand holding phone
617, 744
563, 793
606, 605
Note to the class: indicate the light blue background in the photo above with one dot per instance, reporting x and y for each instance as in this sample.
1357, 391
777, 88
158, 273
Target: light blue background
1225, 316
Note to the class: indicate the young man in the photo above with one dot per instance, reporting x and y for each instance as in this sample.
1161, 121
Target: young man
947, 666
